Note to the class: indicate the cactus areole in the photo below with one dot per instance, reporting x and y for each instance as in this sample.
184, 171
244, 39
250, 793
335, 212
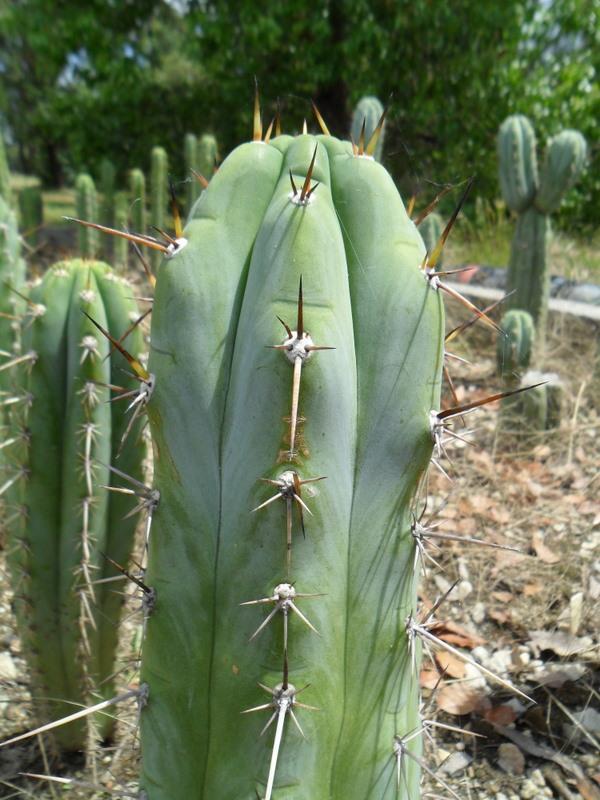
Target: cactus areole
291, 431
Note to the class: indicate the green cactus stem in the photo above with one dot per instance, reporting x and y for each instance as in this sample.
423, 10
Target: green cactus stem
12, 276
107, 201
239, 425
537, 410
120, 245
159, 195
368, 112
31, 208
137, 191
533, 198
190, 152
87, 208
61, 522
5, 189
515, 347
431, 229
208, 154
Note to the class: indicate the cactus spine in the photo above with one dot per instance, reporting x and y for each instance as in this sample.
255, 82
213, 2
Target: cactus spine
87, 208
65, 433
534, 198
137, 189
514, 349
221, 423
159, 194
368, 112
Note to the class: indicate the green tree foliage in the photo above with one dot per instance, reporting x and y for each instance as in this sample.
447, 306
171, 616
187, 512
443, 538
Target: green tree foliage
115, 78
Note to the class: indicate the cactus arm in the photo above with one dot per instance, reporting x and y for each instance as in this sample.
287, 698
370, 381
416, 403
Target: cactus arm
202, 287
158, 195
137, 189
517, 162
565, 160
190, 152
87, 207
399, 352
369, 111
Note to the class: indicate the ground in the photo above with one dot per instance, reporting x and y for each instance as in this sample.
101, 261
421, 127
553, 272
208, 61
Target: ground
529, 614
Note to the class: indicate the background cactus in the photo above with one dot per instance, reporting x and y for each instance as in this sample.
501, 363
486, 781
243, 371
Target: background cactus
220, 420
537, 410
514, 349
159, 194
431, 229
5, 190
121, 246
12, 276
190, 153
137, 189
31, 209
533, 198
60, 521
208, 154
369, 111
107, 192
87, 208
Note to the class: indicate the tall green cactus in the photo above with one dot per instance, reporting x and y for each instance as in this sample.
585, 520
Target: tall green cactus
514, 346
121, 246
190, 153
61, 522
368, 112
87, 208
208, 154
159, 194
137, 190
12, 276
431, 229
5, 190
534, 198
108, 175
31, 209
230, 435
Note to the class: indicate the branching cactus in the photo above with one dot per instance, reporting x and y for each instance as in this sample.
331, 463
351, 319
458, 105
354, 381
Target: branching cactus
137, 190
534, 198
87, 208
296, 361
61, 524
365, 119
159, 194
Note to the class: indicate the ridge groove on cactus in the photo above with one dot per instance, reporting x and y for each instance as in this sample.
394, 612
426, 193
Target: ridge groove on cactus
239, 423
67, 434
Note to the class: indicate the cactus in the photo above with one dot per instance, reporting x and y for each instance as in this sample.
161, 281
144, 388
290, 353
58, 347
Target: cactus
190, 151
159, 194
31, 208
225, 443
534, 198
5, 190
107, 192
121, 246
537, 410
137, 189
514, 348
368, 111
87, 205
208, 155
431, 229
12, 276
65, 433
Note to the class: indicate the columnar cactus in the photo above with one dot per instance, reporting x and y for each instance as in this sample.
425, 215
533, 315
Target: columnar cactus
137, 190
515, 345
31, 208
190, 154
534, 198
208, 154
540, 408
368, 112
5, 190
431, 229
159, 194
121, 246
87, 208
61, 523
12, 276
107, 191
282, 466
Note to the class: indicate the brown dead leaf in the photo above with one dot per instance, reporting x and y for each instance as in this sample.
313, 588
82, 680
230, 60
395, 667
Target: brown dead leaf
503, 597
531, 589
500, 616
458, 699
429, 678
511, 759
543, 552
455, 634
450, 664
500, 715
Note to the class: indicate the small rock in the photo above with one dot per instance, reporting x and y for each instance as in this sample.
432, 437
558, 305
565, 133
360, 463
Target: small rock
8, 671
455, 763
529, 790
478, 613
537, 777
511, 759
